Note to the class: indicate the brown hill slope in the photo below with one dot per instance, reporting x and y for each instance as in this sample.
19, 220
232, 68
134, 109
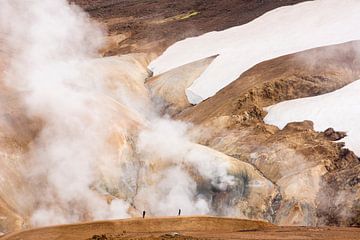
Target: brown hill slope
304, 74
155, 25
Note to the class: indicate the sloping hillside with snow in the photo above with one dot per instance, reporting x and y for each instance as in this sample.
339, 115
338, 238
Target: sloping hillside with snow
279, 32
297, 158
339, 109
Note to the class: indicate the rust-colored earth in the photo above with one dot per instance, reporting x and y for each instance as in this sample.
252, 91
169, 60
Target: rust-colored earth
181, 228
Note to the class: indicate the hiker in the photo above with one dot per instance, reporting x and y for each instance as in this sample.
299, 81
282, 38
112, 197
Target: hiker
179, 213
144, 214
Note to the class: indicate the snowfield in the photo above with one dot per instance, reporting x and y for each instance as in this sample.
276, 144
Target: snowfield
279, 32
339, 109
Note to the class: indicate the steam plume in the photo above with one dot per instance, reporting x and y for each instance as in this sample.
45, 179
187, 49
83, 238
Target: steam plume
73, 162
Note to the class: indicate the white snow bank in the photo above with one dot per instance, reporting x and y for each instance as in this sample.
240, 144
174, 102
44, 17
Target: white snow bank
339, 109
279, 32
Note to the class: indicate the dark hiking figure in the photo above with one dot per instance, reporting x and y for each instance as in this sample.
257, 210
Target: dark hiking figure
179, 213
144, 214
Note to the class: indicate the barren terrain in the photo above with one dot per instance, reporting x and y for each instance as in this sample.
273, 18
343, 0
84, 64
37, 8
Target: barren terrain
182, 228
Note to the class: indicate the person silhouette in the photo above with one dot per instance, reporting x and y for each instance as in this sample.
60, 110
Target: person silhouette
179, 213
144, 214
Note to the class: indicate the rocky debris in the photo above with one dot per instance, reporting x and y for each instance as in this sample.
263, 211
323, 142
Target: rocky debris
346, 159
99, 237
354, 181
333, 135
111, 236
171, 235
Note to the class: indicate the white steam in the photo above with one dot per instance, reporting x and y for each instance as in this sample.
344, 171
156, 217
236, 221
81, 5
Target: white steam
175, 188
74, 162
51, 39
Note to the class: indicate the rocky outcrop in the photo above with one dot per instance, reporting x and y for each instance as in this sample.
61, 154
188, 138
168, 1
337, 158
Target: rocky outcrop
252, 195
333, 135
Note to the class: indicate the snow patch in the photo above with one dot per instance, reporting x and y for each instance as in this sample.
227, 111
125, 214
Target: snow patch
339, 109
279, 32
